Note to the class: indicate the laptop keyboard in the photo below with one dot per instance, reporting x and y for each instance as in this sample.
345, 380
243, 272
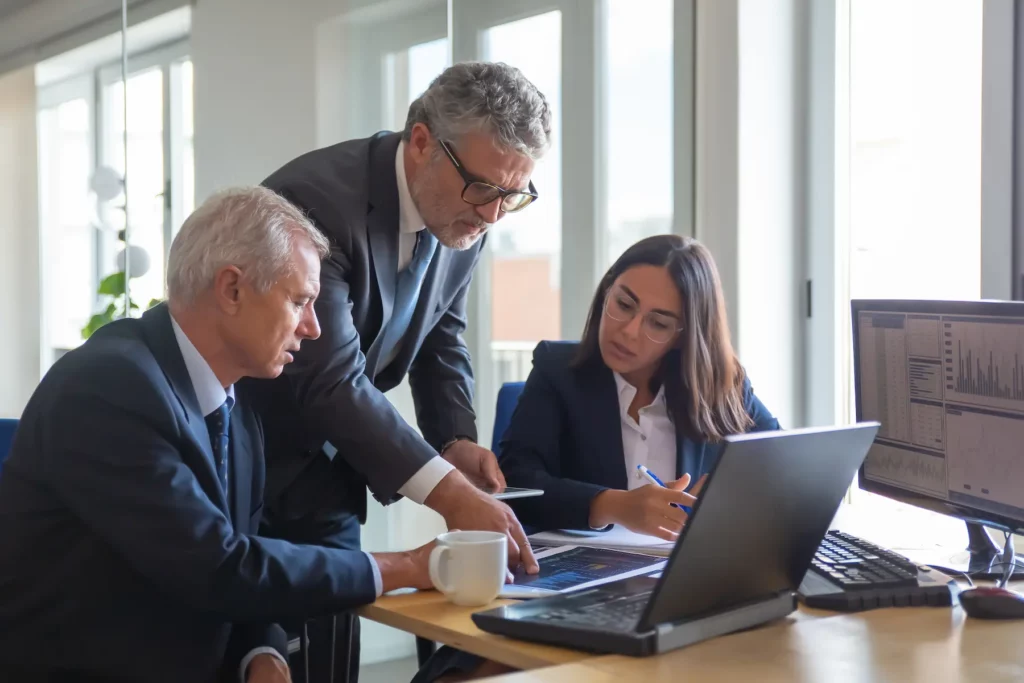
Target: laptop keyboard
618, 614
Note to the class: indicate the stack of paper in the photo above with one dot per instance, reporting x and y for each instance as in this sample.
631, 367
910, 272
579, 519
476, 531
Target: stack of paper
616, 538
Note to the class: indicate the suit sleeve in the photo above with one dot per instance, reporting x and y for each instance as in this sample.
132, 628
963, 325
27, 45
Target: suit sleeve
530, 458
120, 448
441, 378
339, 401
248, 637
764, 421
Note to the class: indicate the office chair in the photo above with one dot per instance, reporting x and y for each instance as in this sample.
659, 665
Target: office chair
7, 428
508, 397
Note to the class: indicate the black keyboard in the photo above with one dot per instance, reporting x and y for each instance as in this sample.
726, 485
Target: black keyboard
851, 574
854, 564
619, 614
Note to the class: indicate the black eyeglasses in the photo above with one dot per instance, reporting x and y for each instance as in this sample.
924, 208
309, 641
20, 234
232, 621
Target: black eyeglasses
480, 192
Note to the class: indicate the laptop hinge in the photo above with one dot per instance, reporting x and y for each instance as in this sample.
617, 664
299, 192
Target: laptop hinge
674, 635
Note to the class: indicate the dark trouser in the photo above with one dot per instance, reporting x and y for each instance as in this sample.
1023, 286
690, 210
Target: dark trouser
445, 661
333, 530
12, 674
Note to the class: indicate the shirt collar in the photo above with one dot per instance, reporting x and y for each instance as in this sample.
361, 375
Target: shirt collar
409, 219
209, 392
627, 392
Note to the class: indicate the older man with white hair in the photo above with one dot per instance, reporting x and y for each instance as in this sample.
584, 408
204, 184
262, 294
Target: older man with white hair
130, 501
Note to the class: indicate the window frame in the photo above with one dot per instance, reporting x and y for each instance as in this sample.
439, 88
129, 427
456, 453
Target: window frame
90, 84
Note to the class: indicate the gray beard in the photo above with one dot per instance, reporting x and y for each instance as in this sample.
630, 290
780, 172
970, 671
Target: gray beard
452, 240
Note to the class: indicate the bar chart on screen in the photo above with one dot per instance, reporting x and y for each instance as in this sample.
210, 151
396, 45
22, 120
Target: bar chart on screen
984, 363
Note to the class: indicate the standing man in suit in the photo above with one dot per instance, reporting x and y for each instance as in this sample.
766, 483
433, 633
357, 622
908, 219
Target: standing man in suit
130, 501
406, 214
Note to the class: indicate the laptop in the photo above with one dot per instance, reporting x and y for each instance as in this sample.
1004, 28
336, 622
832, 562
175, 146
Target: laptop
768, 502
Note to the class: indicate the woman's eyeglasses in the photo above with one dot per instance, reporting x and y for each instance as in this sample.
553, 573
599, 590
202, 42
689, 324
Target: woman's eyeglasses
479, 192
658, 327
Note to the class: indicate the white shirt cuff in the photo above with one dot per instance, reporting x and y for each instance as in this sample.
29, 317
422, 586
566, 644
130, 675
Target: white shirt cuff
266, 650
378, 583
423, 482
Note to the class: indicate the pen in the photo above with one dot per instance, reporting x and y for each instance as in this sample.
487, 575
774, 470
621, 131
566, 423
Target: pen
653, 478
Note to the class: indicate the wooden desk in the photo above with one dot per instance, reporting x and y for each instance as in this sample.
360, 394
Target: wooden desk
895, 644
430, 615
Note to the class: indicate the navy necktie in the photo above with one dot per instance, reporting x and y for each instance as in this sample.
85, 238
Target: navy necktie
217, 424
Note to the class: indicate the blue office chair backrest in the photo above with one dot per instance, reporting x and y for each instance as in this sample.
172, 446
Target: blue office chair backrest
508, 397
7, 428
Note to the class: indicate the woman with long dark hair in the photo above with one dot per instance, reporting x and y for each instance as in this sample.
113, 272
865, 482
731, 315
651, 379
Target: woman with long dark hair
654, 382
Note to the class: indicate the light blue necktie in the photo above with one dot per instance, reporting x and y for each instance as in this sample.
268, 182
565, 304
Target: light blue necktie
407, 291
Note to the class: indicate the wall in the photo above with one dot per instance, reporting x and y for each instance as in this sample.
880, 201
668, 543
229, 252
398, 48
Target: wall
20, 299
771, 200
752, 70
255, 100
269, 82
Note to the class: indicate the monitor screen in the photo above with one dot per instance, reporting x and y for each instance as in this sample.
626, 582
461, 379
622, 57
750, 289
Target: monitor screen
946, 382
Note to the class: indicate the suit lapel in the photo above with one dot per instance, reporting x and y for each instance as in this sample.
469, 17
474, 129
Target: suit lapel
161, 340
690, 456
382, 229
240, 472
607, 427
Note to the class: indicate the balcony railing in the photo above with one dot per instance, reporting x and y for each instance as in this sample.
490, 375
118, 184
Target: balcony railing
512, 360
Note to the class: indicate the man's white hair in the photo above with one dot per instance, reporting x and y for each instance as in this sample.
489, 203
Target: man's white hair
252, 228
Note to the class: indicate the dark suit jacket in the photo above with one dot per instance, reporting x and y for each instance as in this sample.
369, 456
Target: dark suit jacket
330, 393
565, 437
120, 556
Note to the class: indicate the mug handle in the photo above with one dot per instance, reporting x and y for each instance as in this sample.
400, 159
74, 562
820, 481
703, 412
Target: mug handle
435, 569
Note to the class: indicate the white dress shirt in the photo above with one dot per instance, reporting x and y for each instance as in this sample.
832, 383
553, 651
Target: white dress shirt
210, 394
421, 484
652, 441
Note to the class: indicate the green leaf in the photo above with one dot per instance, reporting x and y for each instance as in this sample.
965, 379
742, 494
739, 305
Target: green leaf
153, 302
95, 323
112, 285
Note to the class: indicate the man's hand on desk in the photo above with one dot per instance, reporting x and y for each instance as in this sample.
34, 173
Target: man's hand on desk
466, 507
409, 569
266, 668
646, 510
478, 464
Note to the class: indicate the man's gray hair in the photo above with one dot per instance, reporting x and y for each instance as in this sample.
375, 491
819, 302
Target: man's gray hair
252, 228
485, 97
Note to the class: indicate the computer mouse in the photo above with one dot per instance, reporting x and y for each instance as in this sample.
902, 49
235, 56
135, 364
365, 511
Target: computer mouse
992, 603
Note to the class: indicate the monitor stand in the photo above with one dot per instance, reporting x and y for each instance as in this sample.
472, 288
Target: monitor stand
982, 559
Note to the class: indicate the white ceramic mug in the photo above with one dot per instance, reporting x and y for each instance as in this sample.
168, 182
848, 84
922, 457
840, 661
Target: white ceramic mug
469, 566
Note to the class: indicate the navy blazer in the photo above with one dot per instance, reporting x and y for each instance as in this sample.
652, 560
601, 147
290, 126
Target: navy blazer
565, 437
120, 556
334, 389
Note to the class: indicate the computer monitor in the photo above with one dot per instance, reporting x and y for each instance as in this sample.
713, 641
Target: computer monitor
946, 381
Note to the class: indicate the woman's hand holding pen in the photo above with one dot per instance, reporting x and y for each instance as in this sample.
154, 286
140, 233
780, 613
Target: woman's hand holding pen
646, 510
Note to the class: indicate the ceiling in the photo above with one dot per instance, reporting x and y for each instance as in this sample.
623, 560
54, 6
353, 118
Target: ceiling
8, 7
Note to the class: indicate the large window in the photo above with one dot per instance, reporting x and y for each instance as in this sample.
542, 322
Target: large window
915, 149
145, 179
915, 173
81, 130
638, 110
526, 247
66, 135
407, 73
